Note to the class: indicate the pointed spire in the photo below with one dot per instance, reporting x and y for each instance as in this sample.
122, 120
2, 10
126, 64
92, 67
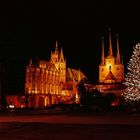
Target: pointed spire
110, 52
30, 63
56, 47
51, 55
103, 55
61, 55
118, 60
79, 75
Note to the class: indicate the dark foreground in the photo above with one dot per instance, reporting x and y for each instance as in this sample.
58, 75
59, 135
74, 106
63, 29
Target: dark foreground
69, 126
44, 131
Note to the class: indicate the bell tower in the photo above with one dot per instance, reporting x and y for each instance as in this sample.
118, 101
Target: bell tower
111, 70
55, 56
62, 67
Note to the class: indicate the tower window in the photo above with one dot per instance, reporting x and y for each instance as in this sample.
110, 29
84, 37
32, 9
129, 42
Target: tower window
109, 67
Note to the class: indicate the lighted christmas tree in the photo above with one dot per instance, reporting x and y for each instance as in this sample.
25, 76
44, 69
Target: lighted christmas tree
132, 79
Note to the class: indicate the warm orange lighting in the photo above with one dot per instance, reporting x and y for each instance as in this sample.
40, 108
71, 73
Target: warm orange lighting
11, 106
115, 103
111, 69
22, 106
49, 81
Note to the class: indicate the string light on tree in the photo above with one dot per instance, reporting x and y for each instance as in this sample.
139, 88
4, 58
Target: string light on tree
132, 80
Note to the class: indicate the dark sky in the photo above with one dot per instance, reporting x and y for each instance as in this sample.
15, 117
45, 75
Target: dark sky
30, 29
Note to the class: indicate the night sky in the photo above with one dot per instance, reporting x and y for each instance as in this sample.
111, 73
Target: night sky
30, 29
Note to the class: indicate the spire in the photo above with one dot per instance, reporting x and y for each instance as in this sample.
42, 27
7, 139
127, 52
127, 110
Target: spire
118, 52
56, 47
61, 55
30, 63
110, 52
54, 54
51, 55
103, 56
79, 75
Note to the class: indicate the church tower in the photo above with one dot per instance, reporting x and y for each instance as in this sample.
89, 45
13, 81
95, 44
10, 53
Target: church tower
57, 58
46, 81
62, 67
111, 70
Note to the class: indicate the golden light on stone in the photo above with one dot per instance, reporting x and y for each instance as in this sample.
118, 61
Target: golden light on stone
111, 69
50, 82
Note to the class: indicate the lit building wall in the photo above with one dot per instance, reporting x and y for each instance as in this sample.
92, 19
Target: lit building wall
46, 81
111, 69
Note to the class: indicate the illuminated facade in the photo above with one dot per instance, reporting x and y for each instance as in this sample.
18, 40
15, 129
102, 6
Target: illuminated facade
51, 82
111, 69
111, 72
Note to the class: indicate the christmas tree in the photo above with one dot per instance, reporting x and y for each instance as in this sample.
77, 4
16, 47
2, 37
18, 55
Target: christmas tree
132, 79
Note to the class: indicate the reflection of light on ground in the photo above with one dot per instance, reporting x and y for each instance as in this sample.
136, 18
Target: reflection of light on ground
72, 119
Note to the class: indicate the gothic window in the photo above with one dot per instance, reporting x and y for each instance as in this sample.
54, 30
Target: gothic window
117, 68
29, 77
109, 67
102, 69
33, 80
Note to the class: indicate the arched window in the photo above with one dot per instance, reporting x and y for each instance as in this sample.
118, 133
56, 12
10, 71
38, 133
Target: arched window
110, 67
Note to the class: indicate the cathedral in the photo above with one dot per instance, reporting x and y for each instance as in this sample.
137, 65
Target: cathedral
51, 82
111, 69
